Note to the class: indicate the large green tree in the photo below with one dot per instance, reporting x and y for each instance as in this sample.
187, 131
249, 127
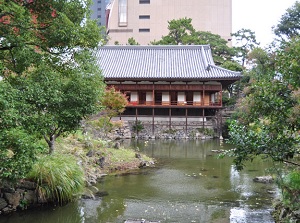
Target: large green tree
51, 78
181, 31
289, 24
245, 42
267, 121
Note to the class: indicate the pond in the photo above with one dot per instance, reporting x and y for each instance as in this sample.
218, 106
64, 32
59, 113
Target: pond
189, 184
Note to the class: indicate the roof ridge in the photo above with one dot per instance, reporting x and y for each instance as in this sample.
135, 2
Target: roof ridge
206, 47
221, 68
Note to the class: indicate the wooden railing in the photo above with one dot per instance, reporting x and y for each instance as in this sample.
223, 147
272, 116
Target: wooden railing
174, 103
172, 87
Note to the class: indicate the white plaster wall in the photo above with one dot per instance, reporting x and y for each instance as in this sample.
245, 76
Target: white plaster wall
181, 96
197, 97
165, 97
149, 96
134, 96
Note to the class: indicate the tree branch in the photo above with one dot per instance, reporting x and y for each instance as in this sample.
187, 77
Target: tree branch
290, 162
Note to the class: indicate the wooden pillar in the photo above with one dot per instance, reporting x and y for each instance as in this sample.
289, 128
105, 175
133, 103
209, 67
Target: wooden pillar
221, 96
203, 93
203, 113
186, 121
136, 119
153, 94
170, 120
152, 120
221, 123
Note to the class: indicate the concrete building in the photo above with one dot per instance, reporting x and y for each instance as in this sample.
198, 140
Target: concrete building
147, 20
98, 11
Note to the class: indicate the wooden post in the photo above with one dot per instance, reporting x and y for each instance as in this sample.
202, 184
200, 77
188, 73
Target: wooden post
186, 121
203, 113
170, 121
152, 120
136, 119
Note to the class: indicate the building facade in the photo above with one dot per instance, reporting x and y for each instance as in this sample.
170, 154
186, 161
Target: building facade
147, 20
165, 84
98, 8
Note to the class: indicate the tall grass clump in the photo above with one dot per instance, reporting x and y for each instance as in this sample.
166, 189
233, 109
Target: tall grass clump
59, 178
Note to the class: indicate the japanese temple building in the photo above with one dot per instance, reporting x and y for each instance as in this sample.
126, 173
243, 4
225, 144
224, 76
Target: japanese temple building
166, 83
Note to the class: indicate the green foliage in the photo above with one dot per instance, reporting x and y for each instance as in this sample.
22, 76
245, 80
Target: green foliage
46, 59
18, 151
59, 178
288, 61
206, 131
59, 28
291, 190
288, 25
138, 126
181, 31
246, 41
114, 102
131, 41
264, 125
170, 131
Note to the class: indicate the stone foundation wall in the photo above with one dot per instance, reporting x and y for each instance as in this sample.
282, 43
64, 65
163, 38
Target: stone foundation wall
19, 197
166, 130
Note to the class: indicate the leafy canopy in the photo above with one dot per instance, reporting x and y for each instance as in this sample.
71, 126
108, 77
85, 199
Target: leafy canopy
289, 24
50, 80
181, 31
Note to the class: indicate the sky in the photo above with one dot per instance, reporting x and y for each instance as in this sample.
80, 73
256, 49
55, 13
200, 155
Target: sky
259, 16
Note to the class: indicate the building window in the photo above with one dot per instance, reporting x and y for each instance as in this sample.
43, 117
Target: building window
122, 12
99, 2
99, 9
144, 30
144, 17
144, 1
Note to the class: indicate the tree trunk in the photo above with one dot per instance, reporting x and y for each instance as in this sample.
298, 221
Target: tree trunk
51, 144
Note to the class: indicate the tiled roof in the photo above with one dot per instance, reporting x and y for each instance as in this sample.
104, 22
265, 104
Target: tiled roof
185, 62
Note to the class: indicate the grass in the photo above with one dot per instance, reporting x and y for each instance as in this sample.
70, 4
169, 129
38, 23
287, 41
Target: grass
58, 177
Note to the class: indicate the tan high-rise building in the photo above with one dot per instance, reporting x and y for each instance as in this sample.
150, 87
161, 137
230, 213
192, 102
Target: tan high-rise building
147, 20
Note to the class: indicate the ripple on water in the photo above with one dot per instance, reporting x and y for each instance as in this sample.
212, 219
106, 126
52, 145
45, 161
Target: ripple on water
244, 215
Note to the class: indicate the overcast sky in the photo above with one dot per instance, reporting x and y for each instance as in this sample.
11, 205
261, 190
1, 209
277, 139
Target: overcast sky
259, 16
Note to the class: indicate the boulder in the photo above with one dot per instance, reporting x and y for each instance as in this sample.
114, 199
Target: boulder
28, 185
3, 203
264, 179
13, 199
30, 197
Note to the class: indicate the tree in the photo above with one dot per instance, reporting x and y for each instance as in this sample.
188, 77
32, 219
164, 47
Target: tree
181, 31
268, 116
246, 41
289, 24
46, 55
18, 147
32, 30
114, 102
288, 61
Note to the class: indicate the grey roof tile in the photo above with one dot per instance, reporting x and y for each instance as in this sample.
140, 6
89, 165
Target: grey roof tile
192, 62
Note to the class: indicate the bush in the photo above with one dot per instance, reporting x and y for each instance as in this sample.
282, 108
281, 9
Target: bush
18, 151
58, 177
291, 190
138, 126
206, 131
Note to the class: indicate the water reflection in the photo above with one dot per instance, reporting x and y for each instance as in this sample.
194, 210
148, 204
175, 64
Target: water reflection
189, 185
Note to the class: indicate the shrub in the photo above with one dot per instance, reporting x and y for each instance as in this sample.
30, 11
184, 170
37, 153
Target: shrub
206, 131
58, 177
18, 151
291, 190
138, 126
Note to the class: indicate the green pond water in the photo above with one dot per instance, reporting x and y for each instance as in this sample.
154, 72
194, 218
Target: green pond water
189, 184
